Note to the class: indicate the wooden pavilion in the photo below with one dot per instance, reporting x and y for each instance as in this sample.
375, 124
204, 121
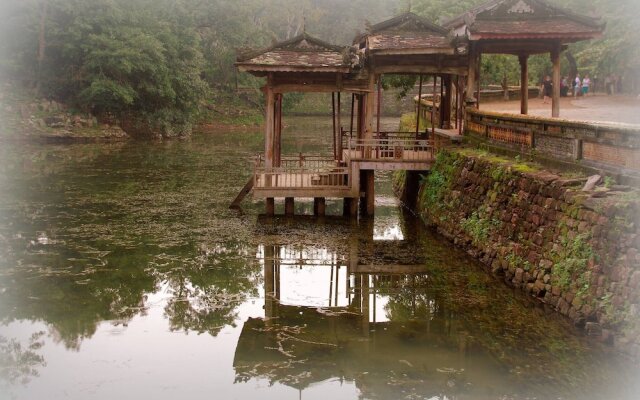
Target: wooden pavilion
307, 64
521, 28
406, 44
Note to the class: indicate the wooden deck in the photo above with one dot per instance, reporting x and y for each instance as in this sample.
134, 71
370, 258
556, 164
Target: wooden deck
322, 177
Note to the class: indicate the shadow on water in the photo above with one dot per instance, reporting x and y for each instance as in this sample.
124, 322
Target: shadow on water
123, 264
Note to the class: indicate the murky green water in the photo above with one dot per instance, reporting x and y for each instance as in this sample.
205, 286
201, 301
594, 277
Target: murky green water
124, 275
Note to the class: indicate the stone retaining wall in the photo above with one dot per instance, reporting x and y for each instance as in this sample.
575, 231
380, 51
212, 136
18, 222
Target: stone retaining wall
614, 148
575, 250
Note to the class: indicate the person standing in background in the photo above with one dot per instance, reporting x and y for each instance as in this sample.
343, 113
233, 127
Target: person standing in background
586, 83
577, 86
547, 89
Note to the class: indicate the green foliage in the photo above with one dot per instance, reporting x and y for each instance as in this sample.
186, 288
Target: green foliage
404, 83
571, 263
478, 227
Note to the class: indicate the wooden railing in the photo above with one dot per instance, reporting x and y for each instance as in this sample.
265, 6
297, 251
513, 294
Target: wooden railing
306, 172
302, 161
390, 149
609, 146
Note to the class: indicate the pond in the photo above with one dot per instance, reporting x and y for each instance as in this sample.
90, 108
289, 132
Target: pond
123, 274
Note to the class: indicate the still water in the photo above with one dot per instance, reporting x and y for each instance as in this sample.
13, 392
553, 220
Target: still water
124, 275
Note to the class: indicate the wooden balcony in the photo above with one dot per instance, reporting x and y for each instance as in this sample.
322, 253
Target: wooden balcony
391, 153
303, 176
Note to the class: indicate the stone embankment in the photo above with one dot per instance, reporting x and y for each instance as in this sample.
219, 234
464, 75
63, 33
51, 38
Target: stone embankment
574, 249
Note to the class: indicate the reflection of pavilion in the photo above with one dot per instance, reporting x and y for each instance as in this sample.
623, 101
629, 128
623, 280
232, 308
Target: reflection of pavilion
343, 315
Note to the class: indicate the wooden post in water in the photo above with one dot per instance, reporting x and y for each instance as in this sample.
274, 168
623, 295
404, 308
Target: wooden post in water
419, 109
524, 84
319, 206
289, 208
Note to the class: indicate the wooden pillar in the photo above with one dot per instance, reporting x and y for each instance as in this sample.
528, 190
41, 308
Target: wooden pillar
471, 73
269, 125
524, 84
369, 108
277, 132
370, 192
433, 109
270, 206
333, 120
353, 103
350, 207
418, 109
339, 131
360, 120
289, 208
555, 99
378, 104
457, 93
319, 206
446, 103
479, 85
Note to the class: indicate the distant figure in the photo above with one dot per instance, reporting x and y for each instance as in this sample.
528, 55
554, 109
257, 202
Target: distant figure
577, 86
564, 86
547, 89
586, 83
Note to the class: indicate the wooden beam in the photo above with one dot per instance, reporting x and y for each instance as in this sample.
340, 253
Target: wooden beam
243, 193
419, 70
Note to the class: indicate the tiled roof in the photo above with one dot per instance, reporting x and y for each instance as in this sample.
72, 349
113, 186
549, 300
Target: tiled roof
407, 40
303, 52
530, 28
291, 58
533, 18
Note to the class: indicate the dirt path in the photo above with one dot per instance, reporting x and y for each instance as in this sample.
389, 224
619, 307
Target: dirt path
599, 107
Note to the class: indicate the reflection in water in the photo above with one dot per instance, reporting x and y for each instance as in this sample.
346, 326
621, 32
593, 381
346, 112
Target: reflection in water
145, 284
406, 318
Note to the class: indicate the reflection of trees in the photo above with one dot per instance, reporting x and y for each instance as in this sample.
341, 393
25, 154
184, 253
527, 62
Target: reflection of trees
74, 300
18, 364
205, 299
